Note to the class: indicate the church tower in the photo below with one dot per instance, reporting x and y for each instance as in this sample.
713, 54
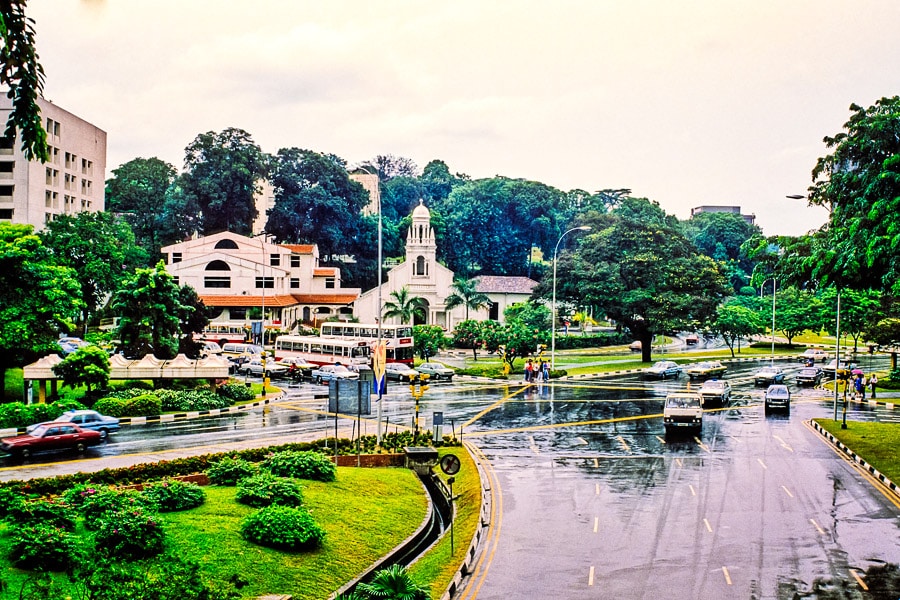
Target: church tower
421, 249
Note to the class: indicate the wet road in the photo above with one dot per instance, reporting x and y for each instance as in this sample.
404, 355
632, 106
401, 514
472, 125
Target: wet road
591, 500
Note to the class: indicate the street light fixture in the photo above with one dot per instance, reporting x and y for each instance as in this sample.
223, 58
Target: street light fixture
553, 317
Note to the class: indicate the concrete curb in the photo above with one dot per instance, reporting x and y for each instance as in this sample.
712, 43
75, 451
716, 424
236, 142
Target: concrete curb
856, 458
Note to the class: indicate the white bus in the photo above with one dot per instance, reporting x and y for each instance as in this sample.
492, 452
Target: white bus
322, 351
398, 339
223, 333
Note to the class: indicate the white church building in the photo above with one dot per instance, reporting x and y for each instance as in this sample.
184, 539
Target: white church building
424, 277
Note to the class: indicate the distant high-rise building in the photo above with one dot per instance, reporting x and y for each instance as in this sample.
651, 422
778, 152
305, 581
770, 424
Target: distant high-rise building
751, 219
72, 180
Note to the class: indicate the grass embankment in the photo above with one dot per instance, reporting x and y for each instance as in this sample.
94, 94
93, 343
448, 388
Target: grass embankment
876, 443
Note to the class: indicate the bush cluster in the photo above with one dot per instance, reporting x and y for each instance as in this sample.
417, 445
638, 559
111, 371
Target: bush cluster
237, 392
132, 533
171, 495
44, 547
283, 528
266, 489
131, 403
302, 465
97, 507
229, 470
595, 340
35, 512
191, 400
18, 414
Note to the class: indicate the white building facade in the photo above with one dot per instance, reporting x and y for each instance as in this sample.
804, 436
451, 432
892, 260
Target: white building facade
426, 278
71, 181
233, 274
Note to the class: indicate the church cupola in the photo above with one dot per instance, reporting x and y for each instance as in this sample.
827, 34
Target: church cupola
421, 249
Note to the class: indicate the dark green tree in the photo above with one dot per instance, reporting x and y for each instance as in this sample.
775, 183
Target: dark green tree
721, 236
734, 321
315, 202
21, 72
150, 310
429, 339
221, 172
859, 182
193, 320
860, 311
649, 278
88, 366
464, 293
796, 312
100, 248
39, 299
138, 190
438, 182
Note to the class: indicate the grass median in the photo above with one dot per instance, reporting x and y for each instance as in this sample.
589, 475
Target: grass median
876, 443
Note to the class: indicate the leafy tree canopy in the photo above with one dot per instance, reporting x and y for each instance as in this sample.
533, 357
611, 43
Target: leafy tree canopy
138, 189
463, 292
734, 321
860, 183
638, 265
88, 366
221, 174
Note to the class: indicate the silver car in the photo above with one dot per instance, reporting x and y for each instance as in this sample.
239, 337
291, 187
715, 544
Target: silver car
436, 371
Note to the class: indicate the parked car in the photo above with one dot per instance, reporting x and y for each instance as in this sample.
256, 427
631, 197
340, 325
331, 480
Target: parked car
51, 436
298, 368
210, 348
399, 372
692, 339
436, 371
662, 369
705, 369
778, 397
843, 369
715, 391
635, 346
768, 375
810, 376
326, 373
86, 419
816, 355
254, 366
683, 411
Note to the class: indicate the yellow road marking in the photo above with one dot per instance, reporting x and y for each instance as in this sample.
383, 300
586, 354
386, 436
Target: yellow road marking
624, 443
727, 576
662, 441
787, 491
708, 526
816, 525
678, 462
596, 462
499, 402
701, 444
591, 576
693, 491
492, 540
859, 580
558, 425
759, 460
533, 445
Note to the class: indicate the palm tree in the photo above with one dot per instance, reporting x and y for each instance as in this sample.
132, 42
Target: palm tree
465, 294
393, 583
405, 307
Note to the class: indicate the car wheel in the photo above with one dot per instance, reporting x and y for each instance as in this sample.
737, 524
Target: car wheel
104, 434
24, 453
80, 447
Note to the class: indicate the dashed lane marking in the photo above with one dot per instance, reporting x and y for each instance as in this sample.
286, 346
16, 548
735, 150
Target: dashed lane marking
708, 526
693, 491
727, 576
817, 526
596, 524
661, 441
591, 576
679, 462
596, 489
787, 491
859, 580
701, 444
624, 443
759, 460
784, 444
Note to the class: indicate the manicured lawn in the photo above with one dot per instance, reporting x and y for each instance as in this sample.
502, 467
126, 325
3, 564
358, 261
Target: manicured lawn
876, 443
365, 513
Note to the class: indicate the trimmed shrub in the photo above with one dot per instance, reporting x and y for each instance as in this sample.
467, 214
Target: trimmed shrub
237, 392
171, 495
230, 470
265, 489
147, 405
283, 528
52, 514
9, 501
77, 495
110, 405
191, 400
303, 465
132, 534
97, 507
43, 547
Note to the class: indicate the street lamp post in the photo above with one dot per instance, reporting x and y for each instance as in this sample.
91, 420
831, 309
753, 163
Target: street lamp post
772, 360
553, 317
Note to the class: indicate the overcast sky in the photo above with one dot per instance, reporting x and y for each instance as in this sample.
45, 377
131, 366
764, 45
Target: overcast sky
687, 103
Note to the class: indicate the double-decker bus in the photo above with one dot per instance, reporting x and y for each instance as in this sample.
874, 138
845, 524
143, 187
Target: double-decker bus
322, 351
398, 339
224, 333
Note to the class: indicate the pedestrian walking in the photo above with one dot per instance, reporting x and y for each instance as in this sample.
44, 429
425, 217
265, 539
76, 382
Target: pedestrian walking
529, 370
540, 372
858, 387
546, 371
873, 381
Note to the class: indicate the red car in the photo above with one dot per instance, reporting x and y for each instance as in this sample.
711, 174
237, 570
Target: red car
51, 436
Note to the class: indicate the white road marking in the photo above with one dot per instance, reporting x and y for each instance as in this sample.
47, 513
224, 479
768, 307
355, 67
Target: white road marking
678, 462
693, 491
759, 460
591, 576
727, 576
662, 441
708, 526
701, 444
624, 443
816, 525
787, 491
596, 489
596, 524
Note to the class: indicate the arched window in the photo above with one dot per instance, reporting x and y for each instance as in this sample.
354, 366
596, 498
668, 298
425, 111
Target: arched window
421, 267
226, 244
218, 265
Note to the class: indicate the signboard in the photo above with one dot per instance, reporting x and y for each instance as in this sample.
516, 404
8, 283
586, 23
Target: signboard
379, 358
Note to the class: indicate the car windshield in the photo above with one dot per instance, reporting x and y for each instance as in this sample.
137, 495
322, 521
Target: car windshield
39, 430
714, 384
769, 370
682, 402
778, 392
808, 371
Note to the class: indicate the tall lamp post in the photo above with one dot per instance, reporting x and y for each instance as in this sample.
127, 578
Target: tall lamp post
772, 360
553, 317
379, 381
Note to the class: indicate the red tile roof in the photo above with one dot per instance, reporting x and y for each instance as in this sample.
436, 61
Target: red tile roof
279, 301
324, 272
299, 248
325, 298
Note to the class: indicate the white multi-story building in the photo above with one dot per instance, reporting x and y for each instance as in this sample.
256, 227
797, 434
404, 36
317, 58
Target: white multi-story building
71, 181
233, 274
